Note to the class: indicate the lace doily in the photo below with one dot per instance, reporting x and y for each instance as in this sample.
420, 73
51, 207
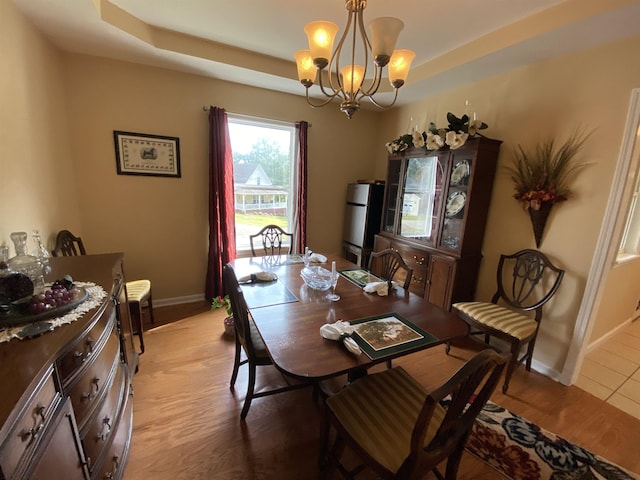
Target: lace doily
94, 298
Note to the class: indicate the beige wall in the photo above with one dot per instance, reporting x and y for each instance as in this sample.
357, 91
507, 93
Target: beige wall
37, 181
589, 89
58, 164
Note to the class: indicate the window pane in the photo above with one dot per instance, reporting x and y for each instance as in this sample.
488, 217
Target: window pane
263, 163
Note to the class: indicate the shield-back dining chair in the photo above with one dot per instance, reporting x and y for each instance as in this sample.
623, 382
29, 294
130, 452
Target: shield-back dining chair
387, 263
526, 280
273, 239
398, 429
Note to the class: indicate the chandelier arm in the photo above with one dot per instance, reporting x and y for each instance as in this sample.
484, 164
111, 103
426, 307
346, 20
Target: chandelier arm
335, 58
334, 92
321, 104
379, 105
375, 82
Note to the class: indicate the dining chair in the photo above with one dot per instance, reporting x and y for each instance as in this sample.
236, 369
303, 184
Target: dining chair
398, 429
526, 281
386, 264
68, 245
138, 291
272, 238
248, 340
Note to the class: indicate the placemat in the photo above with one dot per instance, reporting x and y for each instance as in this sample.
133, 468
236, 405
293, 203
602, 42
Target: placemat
264, 294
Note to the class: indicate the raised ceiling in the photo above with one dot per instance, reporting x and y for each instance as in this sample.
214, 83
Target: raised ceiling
252, 42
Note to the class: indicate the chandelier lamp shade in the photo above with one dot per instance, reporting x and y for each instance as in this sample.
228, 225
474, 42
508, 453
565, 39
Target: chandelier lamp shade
354, 70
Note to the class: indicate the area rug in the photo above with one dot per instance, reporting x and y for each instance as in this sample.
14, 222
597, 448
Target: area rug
520, 450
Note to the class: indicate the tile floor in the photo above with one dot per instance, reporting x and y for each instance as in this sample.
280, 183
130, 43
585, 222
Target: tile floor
612, 371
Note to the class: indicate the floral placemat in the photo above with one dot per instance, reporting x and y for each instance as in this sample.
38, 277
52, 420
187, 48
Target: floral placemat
94, 298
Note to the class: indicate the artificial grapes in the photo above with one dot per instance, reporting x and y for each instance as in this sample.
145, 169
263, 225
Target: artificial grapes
61, 293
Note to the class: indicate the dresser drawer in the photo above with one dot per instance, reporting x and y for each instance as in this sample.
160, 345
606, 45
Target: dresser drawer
418, 279
101, 428
30, 426
89, 388
87, 345
116, 460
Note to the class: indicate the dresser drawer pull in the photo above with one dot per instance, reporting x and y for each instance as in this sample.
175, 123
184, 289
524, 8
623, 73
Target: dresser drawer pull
88, 350
114, 472
419, 262
33, 433
106, 429
94, 390
417, 279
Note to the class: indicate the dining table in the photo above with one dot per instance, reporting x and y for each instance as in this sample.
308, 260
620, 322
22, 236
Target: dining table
288, 315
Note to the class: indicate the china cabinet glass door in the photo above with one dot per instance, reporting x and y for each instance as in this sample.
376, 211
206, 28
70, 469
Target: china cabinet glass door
419, 199
455, 207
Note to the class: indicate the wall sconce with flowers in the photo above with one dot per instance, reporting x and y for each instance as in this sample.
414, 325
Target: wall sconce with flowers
454, 135
541, 178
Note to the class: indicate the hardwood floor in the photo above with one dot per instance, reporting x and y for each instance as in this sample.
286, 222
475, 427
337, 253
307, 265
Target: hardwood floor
187, 421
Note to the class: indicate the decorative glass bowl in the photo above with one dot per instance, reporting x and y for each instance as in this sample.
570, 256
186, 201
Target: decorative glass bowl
316, 278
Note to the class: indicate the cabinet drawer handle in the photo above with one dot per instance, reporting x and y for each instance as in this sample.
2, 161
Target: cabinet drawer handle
419, 262
106, 429
87, 351
417, 279
94, 390
33, 433
114, 472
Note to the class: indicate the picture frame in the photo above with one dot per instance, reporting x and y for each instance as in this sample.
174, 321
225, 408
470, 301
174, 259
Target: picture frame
359, 276
146, 154
387, 334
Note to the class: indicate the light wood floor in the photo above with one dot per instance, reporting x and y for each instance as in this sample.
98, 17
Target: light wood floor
187, 424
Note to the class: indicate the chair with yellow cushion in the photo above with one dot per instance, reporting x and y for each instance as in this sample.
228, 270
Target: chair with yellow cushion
398, 429
139, 297
138, 291
527, 280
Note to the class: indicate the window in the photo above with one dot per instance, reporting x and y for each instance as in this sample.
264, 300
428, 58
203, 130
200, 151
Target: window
264, 163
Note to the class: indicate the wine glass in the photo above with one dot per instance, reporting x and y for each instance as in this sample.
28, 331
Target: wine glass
334, 281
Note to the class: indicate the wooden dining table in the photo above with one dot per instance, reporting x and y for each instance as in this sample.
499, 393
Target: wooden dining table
288, 315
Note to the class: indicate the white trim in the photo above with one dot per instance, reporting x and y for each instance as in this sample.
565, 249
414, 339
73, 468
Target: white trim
606, 249
163, 302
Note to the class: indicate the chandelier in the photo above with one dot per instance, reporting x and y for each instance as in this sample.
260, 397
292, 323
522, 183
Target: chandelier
349, 82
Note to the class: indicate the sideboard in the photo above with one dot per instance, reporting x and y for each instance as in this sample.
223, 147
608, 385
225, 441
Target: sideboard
66, 404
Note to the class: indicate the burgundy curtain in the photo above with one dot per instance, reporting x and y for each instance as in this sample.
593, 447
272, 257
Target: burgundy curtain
222, 228
300, 209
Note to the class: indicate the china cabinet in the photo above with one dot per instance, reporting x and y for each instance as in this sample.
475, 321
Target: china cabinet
66, 407
434, 215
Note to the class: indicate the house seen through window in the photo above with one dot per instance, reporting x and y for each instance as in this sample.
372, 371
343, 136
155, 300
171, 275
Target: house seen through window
263, 167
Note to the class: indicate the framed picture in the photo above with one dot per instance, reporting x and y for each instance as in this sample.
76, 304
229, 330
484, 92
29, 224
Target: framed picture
143, 154
359, 276
387, 334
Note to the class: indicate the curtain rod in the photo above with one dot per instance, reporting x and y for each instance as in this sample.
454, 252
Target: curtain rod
240, 115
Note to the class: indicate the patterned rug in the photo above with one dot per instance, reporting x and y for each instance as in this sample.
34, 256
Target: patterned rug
521, 450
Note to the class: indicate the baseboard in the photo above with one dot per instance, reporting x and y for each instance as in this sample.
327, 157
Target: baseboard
164, 302
593, 345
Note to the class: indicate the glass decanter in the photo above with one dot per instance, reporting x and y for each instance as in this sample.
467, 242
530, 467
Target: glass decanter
25, 263
41, 252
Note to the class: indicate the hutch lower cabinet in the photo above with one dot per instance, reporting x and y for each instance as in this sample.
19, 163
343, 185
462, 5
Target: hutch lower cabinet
434, 215
66, 405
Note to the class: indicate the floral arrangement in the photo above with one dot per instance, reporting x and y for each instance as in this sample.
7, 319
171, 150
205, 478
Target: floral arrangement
222, 302
542, 176
454, 135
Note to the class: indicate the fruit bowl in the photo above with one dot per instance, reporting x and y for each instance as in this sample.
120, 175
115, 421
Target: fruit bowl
316, 278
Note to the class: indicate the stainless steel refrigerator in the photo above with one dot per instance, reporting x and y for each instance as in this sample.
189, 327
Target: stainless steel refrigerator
362, 217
